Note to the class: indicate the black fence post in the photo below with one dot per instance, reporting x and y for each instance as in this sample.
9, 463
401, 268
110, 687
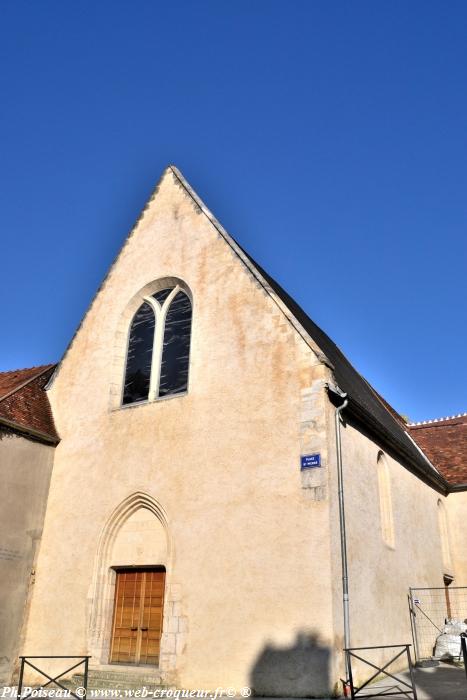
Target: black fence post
349, 666
464, 650
86, 668
20, 680
412, 679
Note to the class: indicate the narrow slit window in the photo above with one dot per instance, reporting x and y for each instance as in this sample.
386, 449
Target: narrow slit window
385, 501
444, 535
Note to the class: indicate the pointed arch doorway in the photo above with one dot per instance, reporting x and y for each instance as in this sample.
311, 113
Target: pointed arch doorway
138, 615
129, 584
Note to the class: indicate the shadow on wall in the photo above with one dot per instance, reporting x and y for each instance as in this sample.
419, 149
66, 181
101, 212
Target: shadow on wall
300, 670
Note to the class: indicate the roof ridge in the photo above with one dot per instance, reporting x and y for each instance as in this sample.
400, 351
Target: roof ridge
251, 265
437, 420
395, 414
26, 369
42, 368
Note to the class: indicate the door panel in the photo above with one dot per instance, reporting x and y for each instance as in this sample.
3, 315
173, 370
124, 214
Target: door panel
152, 609
137, 627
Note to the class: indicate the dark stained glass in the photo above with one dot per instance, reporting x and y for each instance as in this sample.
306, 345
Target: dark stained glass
176, 348
139, 358
162, 295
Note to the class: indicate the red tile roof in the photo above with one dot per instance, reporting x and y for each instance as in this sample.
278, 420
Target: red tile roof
24, 405
444, 441
12, 380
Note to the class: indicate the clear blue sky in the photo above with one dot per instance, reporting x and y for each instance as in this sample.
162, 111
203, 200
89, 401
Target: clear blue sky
330, 138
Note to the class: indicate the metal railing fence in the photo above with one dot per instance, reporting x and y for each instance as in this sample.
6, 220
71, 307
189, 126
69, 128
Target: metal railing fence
401, 688
52, 679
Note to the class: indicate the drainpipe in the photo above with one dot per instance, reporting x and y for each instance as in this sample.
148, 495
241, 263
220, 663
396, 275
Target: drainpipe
340, 482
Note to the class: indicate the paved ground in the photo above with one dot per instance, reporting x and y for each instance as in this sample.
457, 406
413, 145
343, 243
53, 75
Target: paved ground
443, 682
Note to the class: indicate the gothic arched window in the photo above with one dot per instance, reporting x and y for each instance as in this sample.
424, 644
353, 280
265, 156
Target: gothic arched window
159, 347
385, 501
444, 533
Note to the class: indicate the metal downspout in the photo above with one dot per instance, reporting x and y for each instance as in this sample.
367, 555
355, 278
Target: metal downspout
345, 574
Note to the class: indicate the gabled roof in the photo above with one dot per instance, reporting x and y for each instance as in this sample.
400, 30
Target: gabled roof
24, 405
444, 441
366, 406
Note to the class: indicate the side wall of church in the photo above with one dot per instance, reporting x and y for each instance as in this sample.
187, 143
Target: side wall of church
394, 542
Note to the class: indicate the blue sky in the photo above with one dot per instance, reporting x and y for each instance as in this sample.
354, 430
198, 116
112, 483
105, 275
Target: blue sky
329, 138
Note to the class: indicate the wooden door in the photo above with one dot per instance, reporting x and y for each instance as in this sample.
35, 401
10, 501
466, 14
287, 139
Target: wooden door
137, 624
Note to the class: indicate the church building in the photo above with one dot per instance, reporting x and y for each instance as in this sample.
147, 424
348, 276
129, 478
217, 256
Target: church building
170, 488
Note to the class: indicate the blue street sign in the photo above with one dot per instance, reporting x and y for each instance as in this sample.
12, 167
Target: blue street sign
310, 461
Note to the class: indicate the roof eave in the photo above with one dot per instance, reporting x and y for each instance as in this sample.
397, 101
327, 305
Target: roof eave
30, 432
456, 488
28, 381
368, 422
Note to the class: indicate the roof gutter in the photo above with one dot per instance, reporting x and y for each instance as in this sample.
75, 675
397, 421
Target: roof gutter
455, 488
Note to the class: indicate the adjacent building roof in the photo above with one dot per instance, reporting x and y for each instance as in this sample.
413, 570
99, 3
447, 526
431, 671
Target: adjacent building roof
24, 405
444, 441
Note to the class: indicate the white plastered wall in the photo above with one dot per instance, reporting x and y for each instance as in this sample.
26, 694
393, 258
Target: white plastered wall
381, 572
249, 565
